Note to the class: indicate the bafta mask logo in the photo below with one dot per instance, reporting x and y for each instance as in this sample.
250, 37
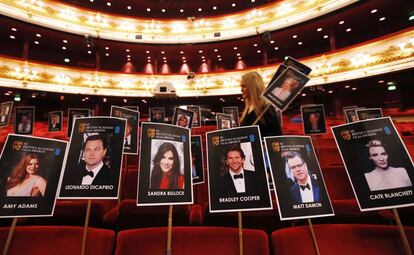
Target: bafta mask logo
215, 140
17, 145
82, 127
276, 146
151, 132
346, 135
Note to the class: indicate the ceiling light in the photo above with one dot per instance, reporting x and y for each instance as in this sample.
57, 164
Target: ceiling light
106, 48
215, 50
382, 19
88, 45
200, 51
233, 4
341, 22
67, 60
393, 87
259, 51
238, 54
65, 41
203, 57
354, 88
147, 52
181, 52
108, 3
183, 57
325, 36
199, 9
162, 52
148, 9
234, 48
89, 52
204, 60
300, 43
17, 98
181, 10
255, 45
184, 61
303, 94
38, 35
295, 36
163, 10
214, 7
253, 1
219, 59
164, 58
63, 48
411, 17
129, 7
36, 42
13, 29
239, 57
107, 54
148, 57
330, 91
381, 81
272, 42
128, 56
149, 60
12, 37
319, 29
347, 86
348, 30
374, 11
165, 61
276, 48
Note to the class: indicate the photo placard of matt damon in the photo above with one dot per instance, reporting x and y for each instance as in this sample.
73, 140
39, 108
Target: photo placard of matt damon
94, 159
377, 162
30, 168
237, 174
297, 177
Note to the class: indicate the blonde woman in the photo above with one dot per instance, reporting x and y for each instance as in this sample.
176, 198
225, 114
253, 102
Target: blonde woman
252, 87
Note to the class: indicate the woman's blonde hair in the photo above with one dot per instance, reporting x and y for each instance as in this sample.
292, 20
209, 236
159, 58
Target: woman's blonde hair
255, 85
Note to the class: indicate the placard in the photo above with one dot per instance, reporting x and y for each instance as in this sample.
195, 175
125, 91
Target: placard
165, 165
94, 159
313, 119
54, 121
237, 174
131, 128
196, 117
368, 113
377, 162
350, 114
5, 113
234, 112
289, 61
29, 175
183, 118
299, 185
132, 107
223, 121
75, 113
157, 114
24, 120
197, 162
285, 88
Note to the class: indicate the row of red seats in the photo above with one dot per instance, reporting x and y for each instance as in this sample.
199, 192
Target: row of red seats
331, 239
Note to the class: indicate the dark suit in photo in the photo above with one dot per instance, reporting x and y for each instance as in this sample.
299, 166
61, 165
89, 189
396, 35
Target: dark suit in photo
105, 176
251, 179
295, 192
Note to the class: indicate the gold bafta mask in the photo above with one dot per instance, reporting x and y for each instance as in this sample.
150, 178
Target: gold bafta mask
151, 132
17, 145
346, 135
276, 146
82, 127
215, 140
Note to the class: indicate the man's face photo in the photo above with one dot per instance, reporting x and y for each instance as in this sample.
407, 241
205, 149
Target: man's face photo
379, 156
94, 152
234, 161
313, 118
25, 119
182, 121
55, 119
299, 169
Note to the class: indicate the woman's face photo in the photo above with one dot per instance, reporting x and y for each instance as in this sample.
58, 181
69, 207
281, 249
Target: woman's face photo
379, 156
167, 161
33, 166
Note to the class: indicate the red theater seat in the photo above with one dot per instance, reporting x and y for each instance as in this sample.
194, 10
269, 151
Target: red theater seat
52, 240
341, 240
191, 240
329, 157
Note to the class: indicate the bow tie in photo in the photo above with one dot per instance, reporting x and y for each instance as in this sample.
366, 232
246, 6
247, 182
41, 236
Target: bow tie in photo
303, 187
236, 176
86, 172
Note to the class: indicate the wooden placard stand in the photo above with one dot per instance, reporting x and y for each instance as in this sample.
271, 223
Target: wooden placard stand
85, 227
402, 233
9, 236
315, 243
239, 214
169, 231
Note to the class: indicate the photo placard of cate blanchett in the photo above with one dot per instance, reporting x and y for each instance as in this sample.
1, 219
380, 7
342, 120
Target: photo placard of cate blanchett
368, 113
24, 120
223, 121
131, 128
234, 112
94, 159
183, 118
377, 162
54, 121
5, 113
236, 170
157, 114
285, 88
313, 119
165, 165
29, 175
197, 162
196, 117
75, 113
299, 185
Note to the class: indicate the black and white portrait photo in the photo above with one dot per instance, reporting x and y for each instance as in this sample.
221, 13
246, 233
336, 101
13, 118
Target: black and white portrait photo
24, 120
313, 119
